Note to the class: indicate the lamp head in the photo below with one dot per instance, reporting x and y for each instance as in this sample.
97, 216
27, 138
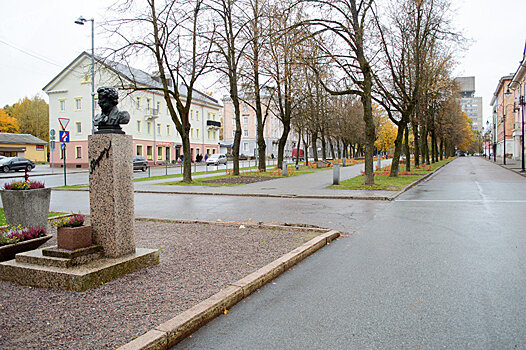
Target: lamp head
81, 20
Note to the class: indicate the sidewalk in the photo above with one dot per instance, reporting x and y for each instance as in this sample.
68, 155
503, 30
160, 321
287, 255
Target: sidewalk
313, 185
511, 164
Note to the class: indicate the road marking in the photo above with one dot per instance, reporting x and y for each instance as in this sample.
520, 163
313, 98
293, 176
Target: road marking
464, 200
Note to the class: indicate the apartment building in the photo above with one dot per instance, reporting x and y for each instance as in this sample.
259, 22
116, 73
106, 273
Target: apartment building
153, 131
470, 104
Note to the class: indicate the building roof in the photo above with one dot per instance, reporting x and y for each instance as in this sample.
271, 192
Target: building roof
138, 76
23, 139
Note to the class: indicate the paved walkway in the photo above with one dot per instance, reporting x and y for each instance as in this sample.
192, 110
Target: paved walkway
313, 185
511, 164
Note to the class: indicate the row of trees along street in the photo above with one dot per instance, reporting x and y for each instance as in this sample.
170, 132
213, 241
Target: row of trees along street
349, 74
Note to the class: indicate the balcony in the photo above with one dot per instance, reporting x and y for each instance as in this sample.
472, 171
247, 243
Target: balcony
212, 124
151, 112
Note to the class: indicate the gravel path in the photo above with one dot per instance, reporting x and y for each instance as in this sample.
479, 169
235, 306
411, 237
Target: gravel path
197, 261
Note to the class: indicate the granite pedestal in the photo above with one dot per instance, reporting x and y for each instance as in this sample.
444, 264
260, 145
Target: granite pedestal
112, 218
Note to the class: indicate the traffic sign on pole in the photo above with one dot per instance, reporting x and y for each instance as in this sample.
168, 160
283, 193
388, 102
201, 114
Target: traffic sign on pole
63, 122
52, 145
64, 136
63, 146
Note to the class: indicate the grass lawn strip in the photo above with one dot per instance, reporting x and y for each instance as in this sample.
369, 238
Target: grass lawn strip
231, 180
382, 180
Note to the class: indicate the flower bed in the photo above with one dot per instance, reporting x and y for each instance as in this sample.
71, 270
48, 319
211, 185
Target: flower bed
15, 240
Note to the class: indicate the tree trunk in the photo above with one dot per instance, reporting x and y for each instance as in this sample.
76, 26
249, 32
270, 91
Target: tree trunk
315, 147
407, 150
282, 143
187, 159
298, 148
306, 151
417, 143
323, 148
398, 149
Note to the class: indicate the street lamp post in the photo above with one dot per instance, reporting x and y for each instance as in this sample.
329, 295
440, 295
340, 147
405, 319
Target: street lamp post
81, 20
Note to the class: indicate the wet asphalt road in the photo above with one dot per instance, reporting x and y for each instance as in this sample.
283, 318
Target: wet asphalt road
443, 267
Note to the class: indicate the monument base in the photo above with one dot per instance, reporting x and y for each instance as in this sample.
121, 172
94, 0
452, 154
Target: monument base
33, 269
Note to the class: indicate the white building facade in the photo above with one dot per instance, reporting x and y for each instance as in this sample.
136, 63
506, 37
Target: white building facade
154, 134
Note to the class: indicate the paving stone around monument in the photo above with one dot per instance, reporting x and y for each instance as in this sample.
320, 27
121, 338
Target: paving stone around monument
196, 261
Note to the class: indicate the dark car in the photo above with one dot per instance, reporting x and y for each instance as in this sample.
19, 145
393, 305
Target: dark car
140, 163
16, 164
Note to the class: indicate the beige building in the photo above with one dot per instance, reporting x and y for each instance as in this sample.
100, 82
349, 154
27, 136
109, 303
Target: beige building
518, 89
272, 129
24, 146
503, 107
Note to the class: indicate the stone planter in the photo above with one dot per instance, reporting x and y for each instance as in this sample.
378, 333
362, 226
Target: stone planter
27, 208
8, 252
73, 238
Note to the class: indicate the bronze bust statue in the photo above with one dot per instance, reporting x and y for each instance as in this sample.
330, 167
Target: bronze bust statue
108, 122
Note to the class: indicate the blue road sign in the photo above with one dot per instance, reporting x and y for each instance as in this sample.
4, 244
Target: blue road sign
64, 136
63, 146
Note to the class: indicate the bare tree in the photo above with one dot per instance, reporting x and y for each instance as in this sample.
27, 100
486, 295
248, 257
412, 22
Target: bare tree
171, 37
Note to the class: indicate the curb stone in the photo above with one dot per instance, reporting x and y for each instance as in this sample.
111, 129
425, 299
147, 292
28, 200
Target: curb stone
505, 167
171, 332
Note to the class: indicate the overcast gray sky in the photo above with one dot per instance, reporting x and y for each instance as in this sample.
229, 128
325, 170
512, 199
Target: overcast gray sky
39, 38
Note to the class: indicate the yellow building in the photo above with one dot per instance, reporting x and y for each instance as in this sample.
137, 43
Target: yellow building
23, 145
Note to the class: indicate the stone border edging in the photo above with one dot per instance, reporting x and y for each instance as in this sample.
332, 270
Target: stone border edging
171, 332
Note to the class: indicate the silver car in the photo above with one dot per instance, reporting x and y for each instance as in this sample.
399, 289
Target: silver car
216, 159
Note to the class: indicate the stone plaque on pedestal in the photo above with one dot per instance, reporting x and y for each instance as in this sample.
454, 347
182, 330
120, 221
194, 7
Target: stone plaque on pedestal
111, 193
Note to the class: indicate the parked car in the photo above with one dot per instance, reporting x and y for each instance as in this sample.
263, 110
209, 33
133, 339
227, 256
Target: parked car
16, 164
216, 159
140, 163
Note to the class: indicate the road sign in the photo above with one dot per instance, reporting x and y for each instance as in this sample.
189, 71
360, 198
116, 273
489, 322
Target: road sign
63, 122
63, 146
52, 133
52, 145
64, 136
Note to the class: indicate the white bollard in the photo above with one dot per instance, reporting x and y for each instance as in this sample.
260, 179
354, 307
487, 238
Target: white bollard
285, 169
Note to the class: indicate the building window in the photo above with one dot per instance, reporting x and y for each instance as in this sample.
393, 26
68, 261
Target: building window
213, 151
215, 133
245, 132
197, 115
62, 105
139, 150
245, 146
168, 130
78, 104
78, 127
245, 120
159, 153
158, 129
209, 134
139, 126
149, 152
158, 107
233, 122
233, 133
149, 127
245, 108
78, 152
197, 133
191, 115
148, 105
208, 115
138, 102
191, 132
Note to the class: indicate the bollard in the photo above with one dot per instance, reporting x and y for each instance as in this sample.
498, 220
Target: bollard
379, 163
285, 169
149, 171
336, 174
343, 163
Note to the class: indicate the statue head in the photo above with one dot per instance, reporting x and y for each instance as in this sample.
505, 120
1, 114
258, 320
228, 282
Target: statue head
108, 98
